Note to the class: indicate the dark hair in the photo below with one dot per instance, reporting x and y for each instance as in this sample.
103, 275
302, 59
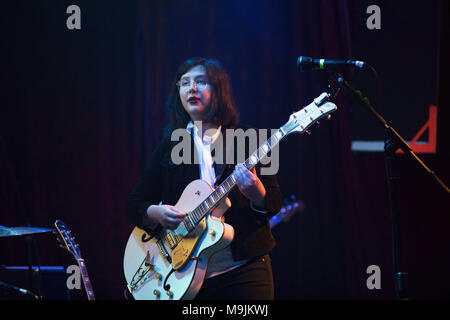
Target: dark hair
223, 111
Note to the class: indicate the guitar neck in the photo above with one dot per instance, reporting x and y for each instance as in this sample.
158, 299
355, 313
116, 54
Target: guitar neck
86, 281
229, 183
299, 121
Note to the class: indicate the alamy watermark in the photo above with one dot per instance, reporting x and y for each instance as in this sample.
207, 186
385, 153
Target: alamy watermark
374, 20
374, 280
237, 143
74, 20
74, 280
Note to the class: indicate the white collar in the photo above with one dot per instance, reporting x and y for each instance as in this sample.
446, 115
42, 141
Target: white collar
206, 138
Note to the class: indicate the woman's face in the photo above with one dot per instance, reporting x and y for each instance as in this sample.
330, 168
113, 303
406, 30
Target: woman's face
195, 93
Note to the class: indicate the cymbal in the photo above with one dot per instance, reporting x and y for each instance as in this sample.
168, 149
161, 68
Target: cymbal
22, 231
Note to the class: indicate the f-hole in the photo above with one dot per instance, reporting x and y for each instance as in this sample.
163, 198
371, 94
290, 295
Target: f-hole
144, 239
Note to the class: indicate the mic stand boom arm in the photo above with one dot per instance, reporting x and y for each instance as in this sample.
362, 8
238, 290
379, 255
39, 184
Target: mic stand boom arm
393, 141
396, 141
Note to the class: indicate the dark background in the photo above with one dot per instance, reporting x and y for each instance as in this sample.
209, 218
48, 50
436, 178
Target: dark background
82, 110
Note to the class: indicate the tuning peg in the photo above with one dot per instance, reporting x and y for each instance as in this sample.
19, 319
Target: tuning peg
318, 123
328, 117
307, 131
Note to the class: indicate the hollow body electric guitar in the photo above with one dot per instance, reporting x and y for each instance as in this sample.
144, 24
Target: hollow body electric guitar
172, 265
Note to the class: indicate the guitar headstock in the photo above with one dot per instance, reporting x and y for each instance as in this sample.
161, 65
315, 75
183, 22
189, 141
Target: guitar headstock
291, 207
66, 240
301, 120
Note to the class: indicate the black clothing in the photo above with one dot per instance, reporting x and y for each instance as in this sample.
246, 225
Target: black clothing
252, 281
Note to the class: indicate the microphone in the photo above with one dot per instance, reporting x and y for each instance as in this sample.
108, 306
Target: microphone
308, 63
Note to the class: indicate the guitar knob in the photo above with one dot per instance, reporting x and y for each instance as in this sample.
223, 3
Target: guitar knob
156, 293
212, 232
169, 293
158, 276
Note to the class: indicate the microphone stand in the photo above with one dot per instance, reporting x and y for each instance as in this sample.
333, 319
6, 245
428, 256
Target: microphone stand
393, 141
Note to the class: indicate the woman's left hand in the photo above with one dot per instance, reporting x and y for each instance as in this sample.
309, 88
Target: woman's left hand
249, 184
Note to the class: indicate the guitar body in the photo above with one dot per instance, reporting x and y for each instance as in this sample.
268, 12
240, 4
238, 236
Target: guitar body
189, 259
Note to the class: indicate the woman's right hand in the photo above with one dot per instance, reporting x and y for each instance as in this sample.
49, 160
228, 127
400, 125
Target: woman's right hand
166, 215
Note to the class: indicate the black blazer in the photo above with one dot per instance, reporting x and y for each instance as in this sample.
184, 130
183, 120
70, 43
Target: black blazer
164, 181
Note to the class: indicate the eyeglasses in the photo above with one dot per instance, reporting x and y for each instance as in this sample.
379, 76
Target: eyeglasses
186, 84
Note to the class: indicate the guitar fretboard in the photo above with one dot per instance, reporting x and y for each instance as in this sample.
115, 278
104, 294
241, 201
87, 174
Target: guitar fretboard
86, 281
229, 183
